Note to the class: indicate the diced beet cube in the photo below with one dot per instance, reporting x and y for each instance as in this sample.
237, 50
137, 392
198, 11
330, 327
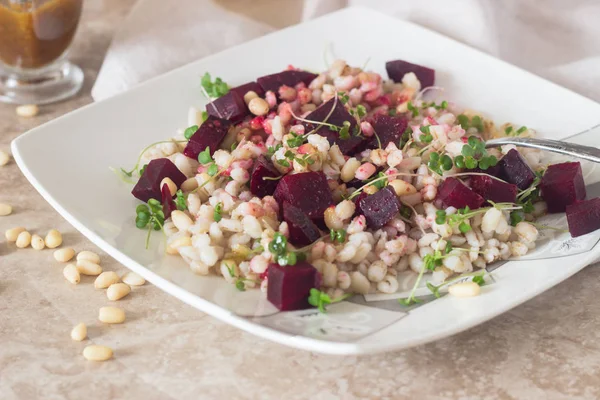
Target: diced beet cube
288, 78
562, 185
358, 210
230, 106
387, 129
167, 201
380, 207
493, 189
308, 191
289, 286
148, 187
496, 171
398, 68
302, 230
210, 134
337, 117
259, 186
515, 170
583, 217
247, 87
454, 193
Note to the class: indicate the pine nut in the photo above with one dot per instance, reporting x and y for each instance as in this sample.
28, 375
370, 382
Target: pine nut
89, 256
4, 158
249, 96
27, 110
181, 220
464, 289
97, 353
258, 106
79, 332
189, 184
23, 240
106, 279
53, 239
177, 243
13, 233
64, 255
71, 274
5, 209
133, 279
37, 242
169, 182
111, 315
371, 189
402, 188
117, 291
86, 267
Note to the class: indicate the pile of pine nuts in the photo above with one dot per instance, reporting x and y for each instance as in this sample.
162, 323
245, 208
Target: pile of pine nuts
85, 263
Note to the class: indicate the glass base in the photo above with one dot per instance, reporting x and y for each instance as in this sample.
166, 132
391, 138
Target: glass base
47, 85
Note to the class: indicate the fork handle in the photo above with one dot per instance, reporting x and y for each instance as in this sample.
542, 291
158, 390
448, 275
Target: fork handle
555, 146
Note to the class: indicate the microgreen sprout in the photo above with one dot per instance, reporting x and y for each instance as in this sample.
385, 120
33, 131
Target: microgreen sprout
442, 106
477, 277
214, 89
180, 200
217, 212
239, 281
321, 299
271, 150
474, 154
343, 97
438, 163
189, 132
278, 247
475, 122
412, 109
337, 235
205, 158
150, 215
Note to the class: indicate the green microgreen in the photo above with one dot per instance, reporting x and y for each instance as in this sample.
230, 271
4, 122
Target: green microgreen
213, 89
271, 150
412, 109
521, 130
474, 154
189, 132
392, 112
217, 213
204, 157
180, 200
439, 163
150, 215
278, 247
337, 235
320, 299
344, 98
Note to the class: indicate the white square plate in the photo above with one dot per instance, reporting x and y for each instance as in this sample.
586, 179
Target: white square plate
67, 160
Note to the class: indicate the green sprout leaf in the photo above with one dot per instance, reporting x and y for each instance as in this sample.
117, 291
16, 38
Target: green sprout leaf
189, 132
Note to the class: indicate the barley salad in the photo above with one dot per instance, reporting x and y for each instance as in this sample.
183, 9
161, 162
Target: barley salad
312, 187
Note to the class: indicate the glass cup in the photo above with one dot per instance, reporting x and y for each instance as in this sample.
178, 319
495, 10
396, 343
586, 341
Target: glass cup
35, 36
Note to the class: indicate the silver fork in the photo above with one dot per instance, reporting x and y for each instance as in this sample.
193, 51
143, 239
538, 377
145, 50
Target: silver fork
555, 146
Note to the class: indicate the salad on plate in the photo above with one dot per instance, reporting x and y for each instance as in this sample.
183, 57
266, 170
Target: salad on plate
313, 187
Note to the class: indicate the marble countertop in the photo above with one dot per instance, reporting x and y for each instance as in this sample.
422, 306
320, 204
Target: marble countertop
548, 348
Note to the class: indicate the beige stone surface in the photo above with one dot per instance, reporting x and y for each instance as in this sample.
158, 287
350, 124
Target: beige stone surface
548, 348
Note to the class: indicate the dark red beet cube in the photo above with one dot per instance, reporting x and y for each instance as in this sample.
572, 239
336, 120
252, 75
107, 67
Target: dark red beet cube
259, 186
338, 116
289, 287
515, 170
148, 187
562, 185
288, 78
358, 210
398, 68
493, 189
454, 193
583, 217
247, 87
387, 129
230, 106
167, 201
379, 208
302, 230
308, 191
210, 134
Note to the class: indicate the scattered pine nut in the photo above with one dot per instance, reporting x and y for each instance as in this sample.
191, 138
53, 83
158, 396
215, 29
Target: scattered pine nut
97, 353
53, 239
13, 233
133, 279
71, 274
27, 110
23, 240
86, 267
170, 184
79, 332
111, 315
64, 255
106, 279
89, 256
464, 289
37, 242
172, 249
117, 291
5, 209
4, 158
